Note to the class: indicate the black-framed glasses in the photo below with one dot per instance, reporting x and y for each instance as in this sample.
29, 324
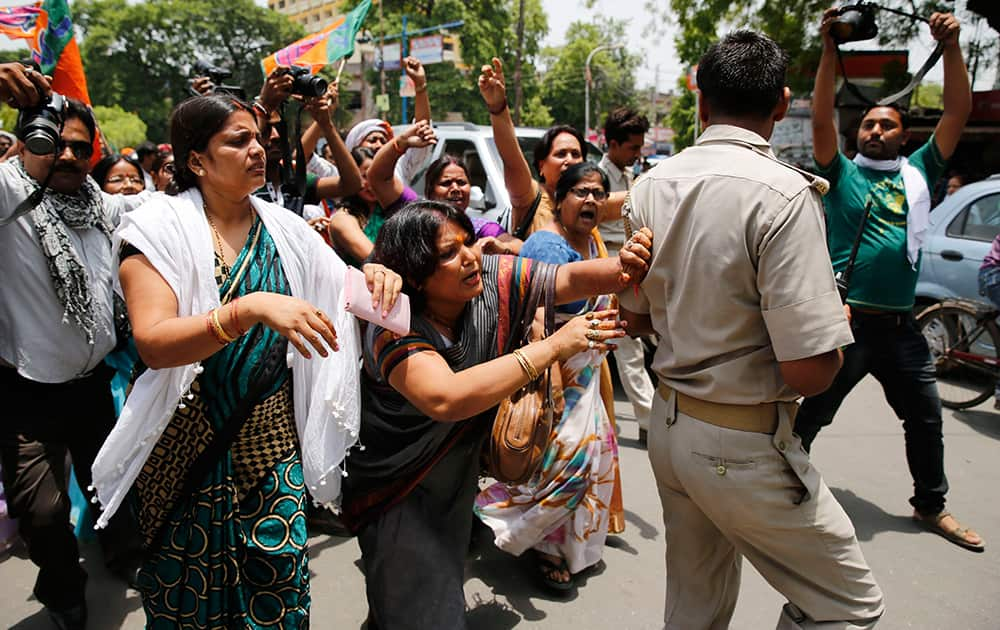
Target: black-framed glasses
581, 193
81, 150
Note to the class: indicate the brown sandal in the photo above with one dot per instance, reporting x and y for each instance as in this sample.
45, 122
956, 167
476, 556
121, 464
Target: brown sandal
958, 536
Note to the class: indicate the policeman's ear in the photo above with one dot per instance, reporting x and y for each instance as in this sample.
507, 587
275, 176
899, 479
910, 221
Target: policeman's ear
704, 111
781, 109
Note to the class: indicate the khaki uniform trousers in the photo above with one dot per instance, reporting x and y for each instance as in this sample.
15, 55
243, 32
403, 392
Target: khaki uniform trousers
727, 494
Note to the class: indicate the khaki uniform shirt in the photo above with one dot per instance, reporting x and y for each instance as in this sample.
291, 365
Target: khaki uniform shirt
740, 276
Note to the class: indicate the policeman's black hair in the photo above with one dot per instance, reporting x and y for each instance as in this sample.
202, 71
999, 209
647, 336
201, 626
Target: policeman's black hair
743, 75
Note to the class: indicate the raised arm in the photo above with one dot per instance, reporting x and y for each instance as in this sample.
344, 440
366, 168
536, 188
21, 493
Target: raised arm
421, 102
381, 174
348, 178
516, 172
312, 134
823, 126
957, 94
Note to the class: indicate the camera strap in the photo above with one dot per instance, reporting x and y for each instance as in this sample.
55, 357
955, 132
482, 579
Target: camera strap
914, 81
293, 182
844, 277
892, 98
29, 204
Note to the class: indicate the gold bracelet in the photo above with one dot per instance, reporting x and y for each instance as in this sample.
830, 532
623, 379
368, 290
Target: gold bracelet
526, 364
219, 330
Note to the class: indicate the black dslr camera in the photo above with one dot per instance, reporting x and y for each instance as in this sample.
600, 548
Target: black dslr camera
40, 127
854, 23
306, 84
217, 75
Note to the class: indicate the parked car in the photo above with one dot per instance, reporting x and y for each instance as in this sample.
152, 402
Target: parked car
961, 230
475, 145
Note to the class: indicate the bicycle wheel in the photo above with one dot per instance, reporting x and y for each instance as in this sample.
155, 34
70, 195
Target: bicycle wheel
949, 328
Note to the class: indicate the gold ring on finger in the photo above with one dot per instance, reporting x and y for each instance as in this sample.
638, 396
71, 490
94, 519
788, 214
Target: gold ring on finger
593, 335
589, 316
319, 313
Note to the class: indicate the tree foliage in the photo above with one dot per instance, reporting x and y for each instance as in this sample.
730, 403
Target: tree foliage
138, 56
612, 71
488, 31
794, 24
120, 128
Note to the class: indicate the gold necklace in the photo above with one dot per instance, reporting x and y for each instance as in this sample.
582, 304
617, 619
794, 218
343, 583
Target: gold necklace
225, 268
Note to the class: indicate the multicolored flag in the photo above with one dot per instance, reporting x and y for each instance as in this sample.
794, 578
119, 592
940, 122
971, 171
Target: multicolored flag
319, 49
49, 30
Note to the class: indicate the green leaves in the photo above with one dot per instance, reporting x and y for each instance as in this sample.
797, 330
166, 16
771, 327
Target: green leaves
138, 56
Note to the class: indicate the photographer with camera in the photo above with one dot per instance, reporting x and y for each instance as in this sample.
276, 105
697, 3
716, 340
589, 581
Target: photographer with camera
877, 213
283, 179
57, 323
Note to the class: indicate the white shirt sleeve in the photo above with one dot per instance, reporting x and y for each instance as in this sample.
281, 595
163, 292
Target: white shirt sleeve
321, 167
11, 189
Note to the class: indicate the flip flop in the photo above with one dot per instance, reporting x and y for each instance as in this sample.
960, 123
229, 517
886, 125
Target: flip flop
545, 569
932, 523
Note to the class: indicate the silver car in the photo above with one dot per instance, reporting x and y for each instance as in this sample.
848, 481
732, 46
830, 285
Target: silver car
961, 230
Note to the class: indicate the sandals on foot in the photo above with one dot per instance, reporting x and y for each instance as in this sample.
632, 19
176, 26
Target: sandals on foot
958, 536
547, 568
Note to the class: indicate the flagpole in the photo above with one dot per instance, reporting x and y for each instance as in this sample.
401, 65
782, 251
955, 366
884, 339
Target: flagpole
340, 69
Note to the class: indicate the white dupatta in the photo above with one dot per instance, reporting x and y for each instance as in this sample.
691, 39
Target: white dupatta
173, 233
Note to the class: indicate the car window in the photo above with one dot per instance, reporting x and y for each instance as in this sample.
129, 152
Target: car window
466, 150
979, 221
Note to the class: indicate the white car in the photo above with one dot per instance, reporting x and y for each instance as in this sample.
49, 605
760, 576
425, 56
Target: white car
475, 145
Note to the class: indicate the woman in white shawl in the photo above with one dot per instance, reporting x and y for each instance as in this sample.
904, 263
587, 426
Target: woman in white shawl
223, 434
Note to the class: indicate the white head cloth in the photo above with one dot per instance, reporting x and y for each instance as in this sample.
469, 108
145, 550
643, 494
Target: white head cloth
173, 233
360, 131
918, 200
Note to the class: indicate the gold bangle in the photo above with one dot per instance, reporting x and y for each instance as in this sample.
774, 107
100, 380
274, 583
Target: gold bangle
526, 364
220, 331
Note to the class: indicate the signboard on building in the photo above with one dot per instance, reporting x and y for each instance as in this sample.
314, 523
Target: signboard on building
429, 49
392, 56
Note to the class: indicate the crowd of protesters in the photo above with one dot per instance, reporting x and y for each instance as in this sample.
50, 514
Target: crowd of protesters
177, 325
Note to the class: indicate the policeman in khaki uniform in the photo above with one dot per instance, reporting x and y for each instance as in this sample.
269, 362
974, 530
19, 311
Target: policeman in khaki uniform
741, 292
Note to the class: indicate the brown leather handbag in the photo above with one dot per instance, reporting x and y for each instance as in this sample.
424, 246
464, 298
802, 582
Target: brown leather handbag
523, 424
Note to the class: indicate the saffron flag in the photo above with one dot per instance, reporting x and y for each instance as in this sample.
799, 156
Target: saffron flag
49, 30
319, 49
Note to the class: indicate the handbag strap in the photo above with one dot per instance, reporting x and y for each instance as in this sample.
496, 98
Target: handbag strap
274, 361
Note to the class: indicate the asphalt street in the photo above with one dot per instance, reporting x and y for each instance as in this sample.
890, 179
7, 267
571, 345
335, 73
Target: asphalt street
928, 582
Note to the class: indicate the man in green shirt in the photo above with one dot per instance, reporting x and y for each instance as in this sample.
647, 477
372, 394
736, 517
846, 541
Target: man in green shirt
888, 344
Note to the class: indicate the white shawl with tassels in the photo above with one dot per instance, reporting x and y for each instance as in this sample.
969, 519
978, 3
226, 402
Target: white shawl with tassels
173, 233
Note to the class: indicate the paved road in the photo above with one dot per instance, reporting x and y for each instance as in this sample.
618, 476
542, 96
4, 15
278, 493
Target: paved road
928, 583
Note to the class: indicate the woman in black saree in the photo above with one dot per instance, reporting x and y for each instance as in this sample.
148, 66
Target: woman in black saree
429, 399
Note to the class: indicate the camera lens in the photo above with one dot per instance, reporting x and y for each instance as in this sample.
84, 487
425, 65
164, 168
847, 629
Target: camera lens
309, 85
41, 134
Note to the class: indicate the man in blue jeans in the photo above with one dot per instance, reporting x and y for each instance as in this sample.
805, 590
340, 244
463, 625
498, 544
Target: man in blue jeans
896, 190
